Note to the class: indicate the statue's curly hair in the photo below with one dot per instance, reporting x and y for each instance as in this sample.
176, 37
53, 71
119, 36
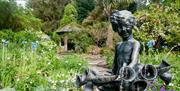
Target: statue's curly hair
123, 15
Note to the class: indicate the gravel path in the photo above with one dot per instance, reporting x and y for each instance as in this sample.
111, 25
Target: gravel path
98, 63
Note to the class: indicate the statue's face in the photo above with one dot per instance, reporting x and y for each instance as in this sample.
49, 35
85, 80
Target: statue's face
123, 22
124, 28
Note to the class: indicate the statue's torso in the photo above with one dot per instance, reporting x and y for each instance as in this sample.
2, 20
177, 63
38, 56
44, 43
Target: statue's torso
124, 52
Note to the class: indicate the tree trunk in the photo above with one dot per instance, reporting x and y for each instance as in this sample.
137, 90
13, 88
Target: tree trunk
109, 41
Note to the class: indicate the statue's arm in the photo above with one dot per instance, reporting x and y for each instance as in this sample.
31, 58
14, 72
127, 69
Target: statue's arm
114, 67
135, 54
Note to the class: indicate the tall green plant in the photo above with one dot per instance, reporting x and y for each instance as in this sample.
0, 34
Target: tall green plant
84, 7
70, 15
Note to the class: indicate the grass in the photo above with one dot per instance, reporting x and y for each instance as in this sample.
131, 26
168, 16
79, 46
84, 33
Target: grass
37, 70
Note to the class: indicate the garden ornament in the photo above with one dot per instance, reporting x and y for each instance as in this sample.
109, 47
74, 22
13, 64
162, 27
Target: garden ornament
149, 72
127, 74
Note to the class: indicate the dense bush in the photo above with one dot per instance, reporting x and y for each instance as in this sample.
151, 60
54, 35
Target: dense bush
161, 21
17, 37
17, 18
82, 41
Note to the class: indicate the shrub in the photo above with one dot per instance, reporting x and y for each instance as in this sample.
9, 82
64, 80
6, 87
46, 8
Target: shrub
154, 22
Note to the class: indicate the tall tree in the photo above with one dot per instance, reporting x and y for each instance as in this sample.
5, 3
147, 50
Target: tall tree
70, 15
16, 18
50, 11
84, 7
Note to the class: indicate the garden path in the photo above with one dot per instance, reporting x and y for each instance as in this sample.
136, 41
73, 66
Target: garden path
98, 63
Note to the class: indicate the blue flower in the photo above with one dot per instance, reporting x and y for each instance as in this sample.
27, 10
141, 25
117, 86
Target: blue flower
150, 43
33, 45
5, 42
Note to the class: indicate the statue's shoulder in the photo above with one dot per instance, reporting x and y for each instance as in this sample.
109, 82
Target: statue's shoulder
135, 42
118, 44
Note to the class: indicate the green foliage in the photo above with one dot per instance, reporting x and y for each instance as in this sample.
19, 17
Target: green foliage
50, 11
70, 15
109, 54
82, 41
98, 32
7, 10
18, 37
155, 59
50, 26
116, 4
84, 7
73, 62
154, 22
55, 37
17, 18
40, 70
28, 21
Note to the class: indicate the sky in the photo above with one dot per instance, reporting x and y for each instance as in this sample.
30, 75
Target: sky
21, 2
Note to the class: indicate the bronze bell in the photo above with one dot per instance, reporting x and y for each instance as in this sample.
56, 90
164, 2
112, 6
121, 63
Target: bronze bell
149, 72
163, 67
127, 73
163, 72
139, 85
166, 77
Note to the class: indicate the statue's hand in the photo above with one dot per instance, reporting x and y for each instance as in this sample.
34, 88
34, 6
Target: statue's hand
118, 78
130, 66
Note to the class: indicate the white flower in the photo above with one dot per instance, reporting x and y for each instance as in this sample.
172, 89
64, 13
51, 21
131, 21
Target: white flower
49, 63
8, 58
171, 84
49, 79
37, 41
31, 82
179, 56
17, 79
79, 64
62, 75
3, 40
53, 87
38, 71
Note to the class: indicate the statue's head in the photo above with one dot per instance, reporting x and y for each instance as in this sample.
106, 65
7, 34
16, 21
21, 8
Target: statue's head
123, 22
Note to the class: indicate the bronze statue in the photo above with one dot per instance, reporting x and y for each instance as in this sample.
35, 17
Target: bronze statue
127, 74
127, 51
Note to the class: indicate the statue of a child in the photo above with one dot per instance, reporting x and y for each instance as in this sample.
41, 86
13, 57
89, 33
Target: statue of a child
126, 53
